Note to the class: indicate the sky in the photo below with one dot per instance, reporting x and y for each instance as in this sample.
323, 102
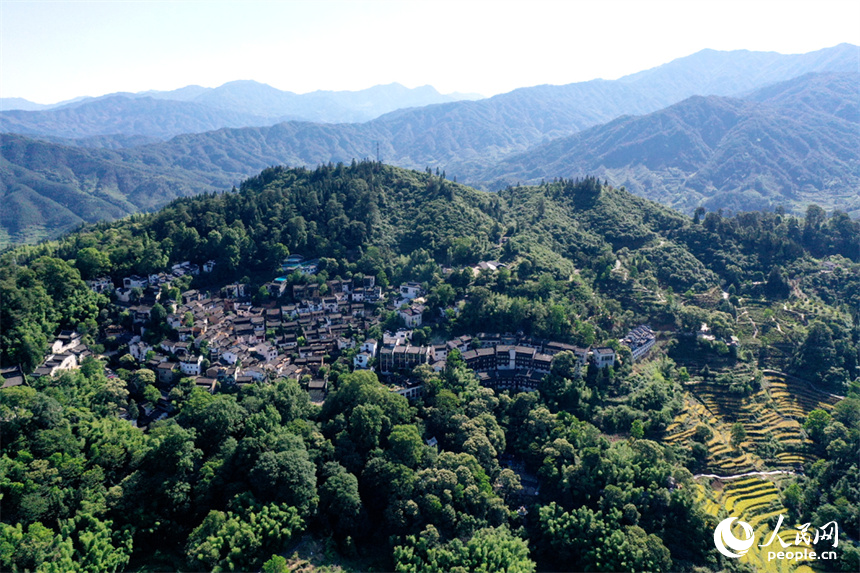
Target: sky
52, 51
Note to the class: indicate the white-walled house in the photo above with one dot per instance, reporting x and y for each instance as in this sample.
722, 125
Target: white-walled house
66, 340
603, 356
231, 355
139, 350
101, 284
412, 316
641, 339
410, 290
190, 366
361, 361
369, 346
266, 351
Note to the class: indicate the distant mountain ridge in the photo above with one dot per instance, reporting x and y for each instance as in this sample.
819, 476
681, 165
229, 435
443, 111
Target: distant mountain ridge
464, 138
19, 103
123, 115
506, 138
195, 109
789, 144
323, 106
738, 72
519, 118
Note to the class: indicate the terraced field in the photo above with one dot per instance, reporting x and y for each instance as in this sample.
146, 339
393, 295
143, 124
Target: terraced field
772, 417
797, 397
756, 501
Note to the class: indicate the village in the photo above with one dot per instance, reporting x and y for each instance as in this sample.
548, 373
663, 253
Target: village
220, 340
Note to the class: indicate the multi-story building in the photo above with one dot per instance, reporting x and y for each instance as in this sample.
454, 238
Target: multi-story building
640, 340
404, 357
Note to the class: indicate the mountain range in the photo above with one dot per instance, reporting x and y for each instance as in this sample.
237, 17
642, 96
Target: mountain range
192, 109
789, 144
787, 136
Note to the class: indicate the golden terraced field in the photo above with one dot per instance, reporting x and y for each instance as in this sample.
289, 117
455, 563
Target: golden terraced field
773, 415
756, 501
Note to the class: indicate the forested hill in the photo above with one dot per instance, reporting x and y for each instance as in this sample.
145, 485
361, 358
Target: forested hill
374, 218
789, 145
594, 470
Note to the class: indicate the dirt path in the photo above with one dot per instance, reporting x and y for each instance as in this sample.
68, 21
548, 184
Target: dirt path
807, 382
748, 474
795, 290
794, 312
755, 327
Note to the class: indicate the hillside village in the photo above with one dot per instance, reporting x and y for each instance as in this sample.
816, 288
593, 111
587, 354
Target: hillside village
571, 327
221, 339
249, 361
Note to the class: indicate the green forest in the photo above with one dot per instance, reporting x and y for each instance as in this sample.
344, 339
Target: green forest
757, 315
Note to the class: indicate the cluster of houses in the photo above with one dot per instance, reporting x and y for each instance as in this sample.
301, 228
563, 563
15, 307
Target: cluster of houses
244, 343
153, 282
66, 353
226, 340
222, 338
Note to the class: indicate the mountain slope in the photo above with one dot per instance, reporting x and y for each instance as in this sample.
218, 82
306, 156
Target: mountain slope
259, 445
790, 144
48, 189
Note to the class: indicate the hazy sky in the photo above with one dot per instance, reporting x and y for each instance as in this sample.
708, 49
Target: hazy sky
52, 51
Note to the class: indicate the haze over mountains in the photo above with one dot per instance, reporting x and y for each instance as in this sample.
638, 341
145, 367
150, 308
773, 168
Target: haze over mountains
788, 144
192, 109
787, 136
